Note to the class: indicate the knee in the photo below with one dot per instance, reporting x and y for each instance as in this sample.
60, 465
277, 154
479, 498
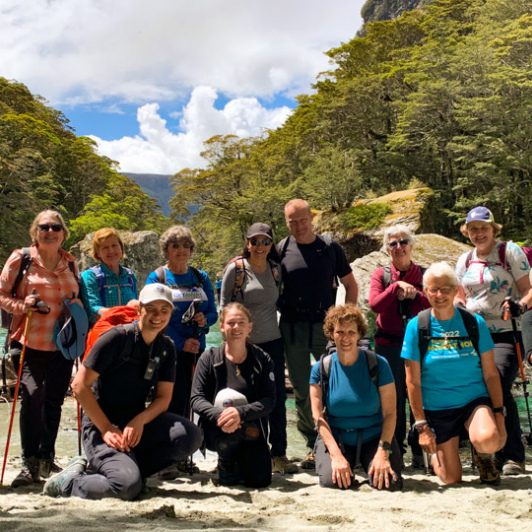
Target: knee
128, 485
486, 440
189, 442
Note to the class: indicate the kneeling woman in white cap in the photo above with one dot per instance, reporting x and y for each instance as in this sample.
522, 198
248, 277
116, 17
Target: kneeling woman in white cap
233, 392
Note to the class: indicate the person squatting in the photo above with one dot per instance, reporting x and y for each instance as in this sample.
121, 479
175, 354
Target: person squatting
444, 364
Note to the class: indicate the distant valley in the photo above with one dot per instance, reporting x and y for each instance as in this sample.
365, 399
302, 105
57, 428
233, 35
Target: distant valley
157, 186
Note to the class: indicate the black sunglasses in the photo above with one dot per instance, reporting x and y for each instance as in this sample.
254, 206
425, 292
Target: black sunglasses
395, 243
264, 241
54, 227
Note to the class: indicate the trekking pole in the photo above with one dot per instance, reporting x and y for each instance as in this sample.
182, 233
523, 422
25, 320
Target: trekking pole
19, 374
78, 408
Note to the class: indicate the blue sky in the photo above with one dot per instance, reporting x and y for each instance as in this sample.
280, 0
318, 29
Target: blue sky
151, 81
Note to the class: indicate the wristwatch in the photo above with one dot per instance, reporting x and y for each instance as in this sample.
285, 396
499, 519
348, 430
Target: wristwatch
386, 446
499, 410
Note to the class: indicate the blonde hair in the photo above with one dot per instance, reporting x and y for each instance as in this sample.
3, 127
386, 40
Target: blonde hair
100, 236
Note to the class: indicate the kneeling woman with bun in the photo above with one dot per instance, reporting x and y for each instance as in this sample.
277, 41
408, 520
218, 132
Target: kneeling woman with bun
233, 392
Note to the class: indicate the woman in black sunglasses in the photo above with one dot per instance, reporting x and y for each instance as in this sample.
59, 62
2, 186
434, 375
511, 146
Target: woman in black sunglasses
253, 279
396, 296
49, 275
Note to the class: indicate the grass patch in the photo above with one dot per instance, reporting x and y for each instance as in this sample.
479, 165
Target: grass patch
365, 217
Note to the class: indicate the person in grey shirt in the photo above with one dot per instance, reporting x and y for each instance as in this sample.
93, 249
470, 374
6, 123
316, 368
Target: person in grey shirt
254, 279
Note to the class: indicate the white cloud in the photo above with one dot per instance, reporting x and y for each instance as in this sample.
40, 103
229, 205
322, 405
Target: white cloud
83, 51
157, 150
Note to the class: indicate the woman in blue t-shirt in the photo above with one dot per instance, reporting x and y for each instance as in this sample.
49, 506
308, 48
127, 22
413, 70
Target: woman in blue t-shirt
188, 284
454, 386
361, 410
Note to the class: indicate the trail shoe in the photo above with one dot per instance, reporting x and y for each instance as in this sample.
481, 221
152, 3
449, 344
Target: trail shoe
169, 473
227, 472
309, 462
417, 461
511, 467
281, 464
59, 484
486, 468
48, 466
29, 473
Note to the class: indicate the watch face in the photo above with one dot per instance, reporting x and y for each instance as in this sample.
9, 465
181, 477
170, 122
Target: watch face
385, 445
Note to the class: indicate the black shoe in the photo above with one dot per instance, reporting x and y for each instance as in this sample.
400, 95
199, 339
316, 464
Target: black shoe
29, 473
227, 472
48, 466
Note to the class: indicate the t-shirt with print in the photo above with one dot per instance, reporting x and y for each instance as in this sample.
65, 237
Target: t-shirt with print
487, 282
353, 401
451, 374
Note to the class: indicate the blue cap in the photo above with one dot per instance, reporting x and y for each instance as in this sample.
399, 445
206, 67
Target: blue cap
480, 214
70, 334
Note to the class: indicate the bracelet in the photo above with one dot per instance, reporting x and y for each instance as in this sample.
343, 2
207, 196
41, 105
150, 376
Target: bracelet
420, 422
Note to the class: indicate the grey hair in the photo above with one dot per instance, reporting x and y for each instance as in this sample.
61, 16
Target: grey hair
399, 229
173, 235
439, 270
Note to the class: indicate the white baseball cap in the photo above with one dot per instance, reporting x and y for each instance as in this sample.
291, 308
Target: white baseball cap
156, 292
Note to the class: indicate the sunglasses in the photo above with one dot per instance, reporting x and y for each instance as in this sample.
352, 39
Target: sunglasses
54, 227
395, 243
263, 241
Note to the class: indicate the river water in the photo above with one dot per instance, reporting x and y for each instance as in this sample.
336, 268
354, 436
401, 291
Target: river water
67, 441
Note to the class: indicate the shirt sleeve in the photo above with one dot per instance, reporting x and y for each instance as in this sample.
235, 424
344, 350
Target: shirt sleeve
90, 294
152, 278
168, 365
105, 350
410, 349
485, 341
461, 269
9, 273
517, 260
385, 372
342, 264
211, 314
228, 282
315, 373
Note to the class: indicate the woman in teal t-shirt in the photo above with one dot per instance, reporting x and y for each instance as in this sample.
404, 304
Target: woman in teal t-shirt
361, 410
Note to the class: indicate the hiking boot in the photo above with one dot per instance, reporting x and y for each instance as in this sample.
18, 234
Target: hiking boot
56, 486
417, 461
169, 473
309, 462
281, 464
227, 472
48, 466
511, 467
486, 468
29, 473
182, 467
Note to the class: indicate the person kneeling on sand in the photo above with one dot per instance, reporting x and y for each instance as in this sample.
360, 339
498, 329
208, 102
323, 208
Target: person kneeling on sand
126, 441
352, 396
233, 392
453, 382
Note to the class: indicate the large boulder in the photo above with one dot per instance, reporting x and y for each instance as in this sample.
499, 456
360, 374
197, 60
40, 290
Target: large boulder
429, 248
142, 253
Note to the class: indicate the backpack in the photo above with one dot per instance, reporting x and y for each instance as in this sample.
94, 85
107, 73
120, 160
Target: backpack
160, 272
424, 337
240, 275
325, 371
100, 277
502, 256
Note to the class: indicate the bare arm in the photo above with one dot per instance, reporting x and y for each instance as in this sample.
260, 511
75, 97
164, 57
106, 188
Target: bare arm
351, 288
460, 297
525, 290
341, 470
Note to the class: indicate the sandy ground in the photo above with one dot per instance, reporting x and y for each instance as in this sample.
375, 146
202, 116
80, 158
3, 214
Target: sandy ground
292, 502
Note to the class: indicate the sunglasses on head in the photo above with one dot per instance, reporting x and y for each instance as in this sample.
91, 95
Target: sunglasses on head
263, 241
46, 227
395, 243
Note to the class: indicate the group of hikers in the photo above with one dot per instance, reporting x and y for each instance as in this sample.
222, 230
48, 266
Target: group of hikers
446, 340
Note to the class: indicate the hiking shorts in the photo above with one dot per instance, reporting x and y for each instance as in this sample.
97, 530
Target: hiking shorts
451, 422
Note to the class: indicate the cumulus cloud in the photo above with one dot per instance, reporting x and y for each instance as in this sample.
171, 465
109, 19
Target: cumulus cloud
156, 149
84, 51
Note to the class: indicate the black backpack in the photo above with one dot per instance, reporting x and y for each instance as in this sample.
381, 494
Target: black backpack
161, 275
424, 336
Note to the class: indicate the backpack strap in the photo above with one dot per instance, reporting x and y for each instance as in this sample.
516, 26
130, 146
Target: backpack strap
160, 272
283, 246
197, 275
25, 264
471, 325
100, 277
240, 276
274, 267
130, 277
468, 259
386, 276
423, 329
325, 372
373, 366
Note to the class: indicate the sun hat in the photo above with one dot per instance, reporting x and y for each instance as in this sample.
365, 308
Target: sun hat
259, 229
156, 292
71, 329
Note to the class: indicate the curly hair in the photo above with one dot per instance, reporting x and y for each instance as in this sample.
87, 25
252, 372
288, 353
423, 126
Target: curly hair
100, 236
342, 314
173, 235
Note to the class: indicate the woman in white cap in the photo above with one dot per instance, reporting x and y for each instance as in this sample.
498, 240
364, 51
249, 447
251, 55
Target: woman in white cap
233, 392
487, 275
254, 279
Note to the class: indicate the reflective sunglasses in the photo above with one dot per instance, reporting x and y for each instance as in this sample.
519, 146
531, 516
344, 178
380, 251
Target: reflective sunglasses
263, 241
395, 243
46, 227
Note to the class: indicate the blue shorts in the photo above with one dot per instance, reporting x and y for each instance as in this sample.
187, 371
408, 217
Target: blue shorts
450, 423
